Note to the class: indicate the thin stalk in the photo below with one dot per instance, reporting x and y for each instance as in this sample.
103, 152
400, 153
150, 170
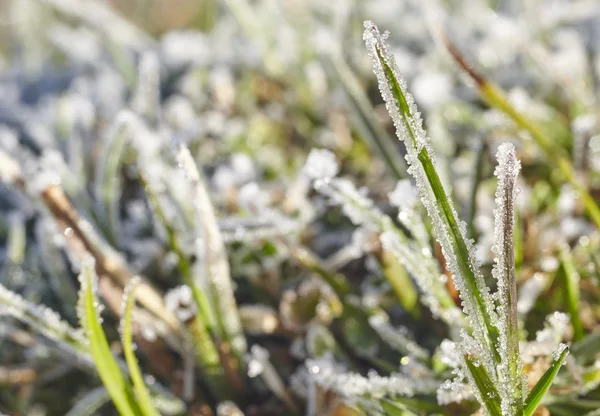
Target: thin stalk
183, 265
504, 272
479, 165
495, 97
571, 286
377, 137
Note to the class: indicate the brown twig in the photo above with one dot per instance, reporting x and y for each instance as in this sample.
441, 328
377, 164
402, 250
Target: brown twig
463, 63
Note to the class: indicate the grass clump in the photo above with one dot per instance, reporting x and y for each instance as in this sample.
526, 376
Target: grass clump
238, 204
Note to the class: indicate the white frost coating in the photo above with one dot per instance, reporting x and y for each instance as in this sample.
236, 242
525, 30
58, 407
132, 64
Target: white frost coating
397, 338
409, 129
320, 164
546, 339
454, 391
511, 365
426, 274
180, 301
417, 258
404, 195
561, 348
10, 170
44, 320
326, 374
211, 253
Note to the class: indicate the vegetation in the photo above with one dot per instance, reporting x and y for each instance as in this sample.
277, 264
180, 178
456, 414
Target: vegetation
248, 236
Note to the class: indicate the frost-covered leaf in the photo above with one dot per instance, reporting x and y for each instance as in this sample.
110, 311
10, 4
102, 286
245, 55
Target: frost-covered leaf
450, 232
511, 365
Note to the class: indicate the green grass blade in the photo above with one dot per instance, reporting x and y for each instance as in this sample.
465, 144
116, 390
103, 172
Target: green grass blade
141, 391
108, 369
495, 97
571, 290
449, 231
378, 139
486, 387
539, 390
395, 409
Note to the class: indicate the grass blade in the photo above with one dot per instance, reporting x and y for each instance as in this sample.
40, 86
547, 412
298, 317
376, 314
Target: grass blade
495, 97
212, 255
141, 391
487, 390
108, 369
511, 366
571, 290
450, 232
378, 139
539, 390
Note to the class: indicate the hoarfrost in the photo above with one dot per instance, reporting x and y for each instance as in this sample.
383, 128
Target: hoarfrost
321, 164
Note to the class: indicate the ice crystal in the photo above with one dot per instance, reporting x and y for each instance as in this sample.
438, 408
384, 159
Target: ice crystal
453, 391
546, 339
42, 319
180, 302
321, 164
397, 338
405, 197
328, 375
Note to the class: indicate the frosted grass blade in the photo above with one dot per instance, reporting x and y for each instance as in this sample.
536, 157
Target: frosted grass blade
139, 386
212, 253
539, 390
45, 321
417, 260
451, 233
108, 369
511, 366
486, 387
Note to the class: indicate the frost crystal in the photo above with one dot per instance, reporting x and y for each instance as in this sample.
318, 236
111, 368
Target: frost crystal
398, 339
328, 375
548, 338
404, 195
180, 302
320, 164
